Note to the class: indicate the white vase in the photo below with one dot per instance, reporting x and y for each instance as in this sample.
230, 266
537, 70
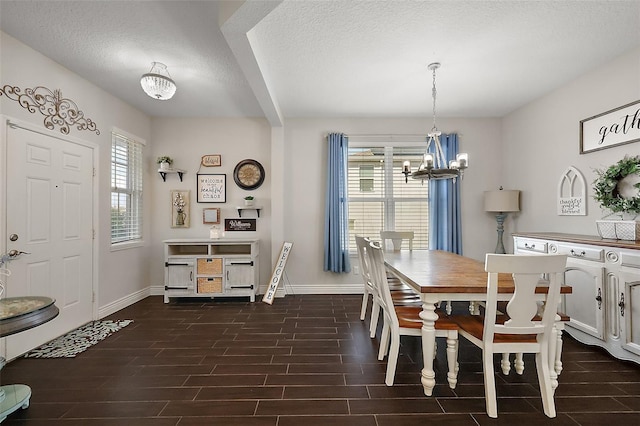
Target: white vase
164, 166
248, 203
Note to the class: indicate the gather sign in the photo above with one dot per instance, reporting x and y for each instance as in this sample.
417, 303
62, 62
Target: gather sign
615, 127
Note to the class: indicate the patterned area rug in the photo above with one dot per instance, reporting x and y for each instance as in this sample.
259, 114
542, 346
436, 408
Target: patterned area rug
78, 340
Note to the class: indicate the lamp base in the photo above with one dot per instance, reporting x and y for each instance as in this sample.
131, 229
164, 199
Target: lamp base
500, 217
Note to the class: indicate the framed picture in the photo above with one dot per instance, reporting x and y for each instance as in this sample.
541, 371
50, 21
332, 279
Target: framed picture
214, 160
212, 188
211, 216
180, 208
615, 127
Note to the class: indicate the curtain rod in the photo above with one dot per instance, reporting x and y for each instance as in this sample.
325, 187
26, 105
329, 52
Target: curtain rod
391, 136
397, 135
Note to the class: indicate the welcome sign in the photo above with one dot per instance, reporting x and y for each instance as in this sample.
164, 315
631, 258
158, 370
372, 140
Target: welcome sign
616, 127
212, 188
278, 270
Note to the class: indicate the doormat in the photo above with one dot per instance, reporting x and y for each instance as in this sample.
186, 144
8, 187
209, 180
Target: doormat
78, 340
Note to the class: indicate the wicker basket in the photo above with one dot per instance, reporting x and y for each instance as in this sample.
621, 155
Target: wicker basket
619, 229
210, 266
210, 285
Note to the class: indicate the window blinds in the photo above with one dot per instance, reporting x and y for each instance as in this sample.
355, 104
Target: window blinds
379, 198
126, 189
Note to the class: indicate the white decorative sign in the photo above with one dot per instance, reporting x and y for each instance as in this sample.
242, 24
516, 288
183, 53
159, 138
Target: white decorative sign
212, 188
615, 127
278, 270
571, 193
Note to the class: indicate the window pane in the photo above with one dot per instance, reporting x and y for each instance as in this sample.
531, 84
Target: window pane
366, 178
365, 218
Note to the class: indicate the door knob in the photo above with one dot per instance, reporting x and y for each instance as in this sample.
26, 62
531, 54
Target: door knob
13, 237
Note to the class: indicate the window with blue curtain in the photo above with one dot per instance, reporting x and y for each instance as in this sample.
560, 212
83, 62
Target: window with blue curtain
336, 224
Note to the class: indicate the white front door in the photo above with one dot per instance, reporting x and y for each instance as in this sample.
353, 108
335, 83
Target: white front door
50, 216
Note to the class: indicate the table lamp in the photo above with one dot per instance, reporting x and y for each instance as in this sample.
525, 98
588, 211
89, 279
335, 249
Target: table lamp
502, 202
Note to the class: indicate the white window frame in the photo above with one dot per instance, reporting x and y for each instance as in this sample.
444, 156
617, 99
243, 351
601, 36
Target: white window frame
134, 188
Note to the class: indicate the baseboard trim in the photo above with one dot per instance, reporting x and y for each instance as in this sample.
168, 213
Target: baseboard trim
321, 289
123, 302
290, 289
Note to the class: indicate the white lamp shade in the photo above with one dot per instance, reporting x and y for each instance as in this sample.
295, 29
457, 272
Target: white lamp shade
157, 83
504, 200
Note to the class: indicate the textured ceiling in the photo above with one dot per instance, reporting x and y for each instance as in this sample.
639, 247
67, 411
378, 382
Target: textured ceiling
329, 58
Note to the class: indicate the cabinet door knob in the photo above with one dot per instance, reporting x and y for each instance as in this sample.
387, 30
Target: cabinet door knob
599, 299
621, 304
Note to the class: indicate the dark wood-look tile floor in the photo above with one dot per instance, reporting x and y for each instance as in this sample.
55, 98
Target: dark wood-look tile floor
305, 360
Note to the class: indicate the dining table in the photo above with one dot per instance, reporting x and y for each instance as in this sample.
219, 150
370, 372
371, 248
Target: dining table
439, 276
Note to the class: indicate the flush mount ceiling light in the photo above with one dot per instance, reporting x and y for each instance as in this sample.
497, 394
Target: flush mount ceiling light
157, 83
434, 164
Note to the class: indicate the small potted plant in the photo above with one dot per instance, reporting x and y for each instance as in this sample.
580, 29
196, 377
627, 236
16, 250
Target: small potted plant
165, 162
248, 200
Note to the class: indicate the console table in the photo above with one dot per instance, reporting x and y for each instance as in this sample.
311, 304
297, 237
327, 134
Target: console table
605, 277
19, 314
225, 267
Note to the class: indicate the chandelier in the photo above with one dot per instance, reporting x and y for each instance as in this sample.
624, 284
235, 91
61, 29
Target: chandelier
434, 164
157, 83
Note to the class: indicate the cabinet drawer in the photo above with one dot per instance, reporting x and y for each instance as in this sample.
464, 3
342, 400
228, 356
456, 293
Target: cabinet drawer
581, 252
630, 260
209, 266
536, 246
210, 285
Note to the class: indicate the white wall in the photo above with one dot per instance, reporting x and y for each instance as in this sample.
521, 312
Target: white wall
186, 140
542, 139
305, 155
121, 273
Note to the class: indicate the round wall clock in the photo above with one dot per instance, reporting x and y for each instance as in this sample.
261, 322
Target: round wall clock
248, 174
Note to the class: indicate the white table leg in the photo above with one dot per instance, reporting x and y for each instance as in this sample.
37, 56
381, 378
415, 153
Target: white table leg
429, 317
452, 358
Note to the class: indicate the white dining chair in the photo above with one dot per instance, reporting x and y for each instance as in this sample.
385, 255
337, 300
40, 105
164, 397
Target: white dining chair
402, 294
520, 331
396, 238
555, 351
405, 321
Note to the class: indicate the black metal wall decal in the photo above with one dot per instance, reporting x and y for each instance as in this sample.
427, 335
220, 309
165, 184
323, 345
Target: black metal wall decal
57, 111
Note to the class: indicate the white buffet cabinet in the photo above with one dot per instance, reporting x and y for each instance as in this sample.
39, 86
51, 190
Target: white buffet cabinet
604, 306
210, 268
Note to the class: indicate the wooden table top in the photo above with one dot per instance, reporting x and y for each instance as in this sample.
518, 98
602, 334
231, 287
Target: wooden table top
436, 271
22, 313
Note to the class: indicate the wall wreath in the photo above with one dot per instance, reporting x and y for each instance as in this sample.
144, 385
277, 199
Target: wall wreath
606, 186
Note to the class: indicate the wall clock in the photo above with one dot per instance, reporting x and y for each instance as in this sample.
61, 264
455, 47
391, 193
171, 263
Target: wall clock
248, 174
